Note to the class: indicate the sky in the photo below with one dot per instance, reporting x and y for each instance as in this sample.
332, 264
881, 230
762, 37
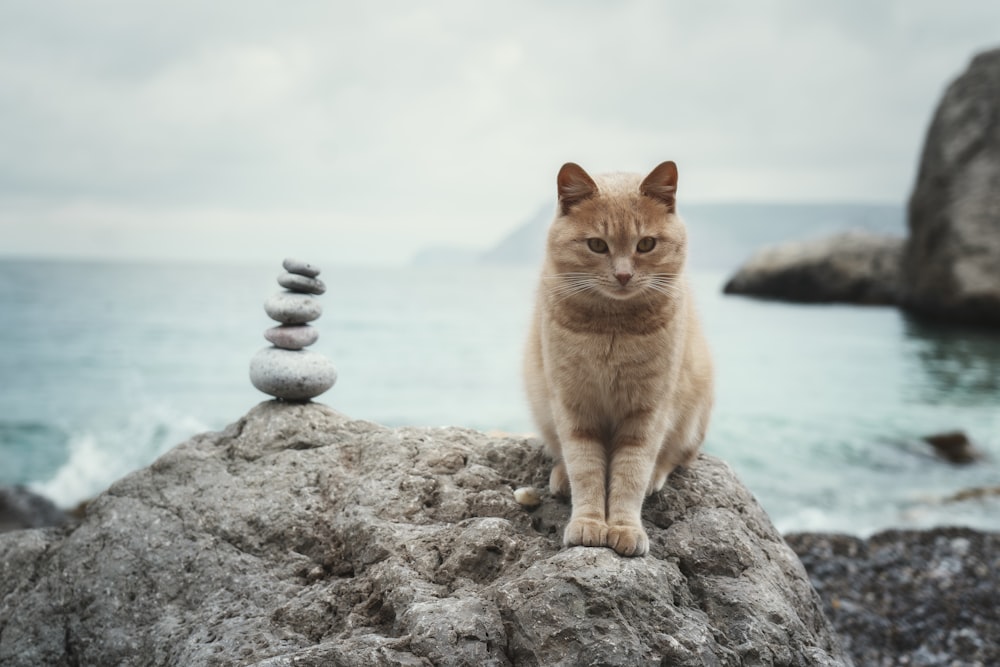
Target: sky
361, 132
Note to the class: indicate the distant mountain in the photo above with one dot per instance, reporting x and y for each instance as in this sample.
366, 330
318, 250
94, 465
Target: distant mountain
440, 255
524, 245
721, 236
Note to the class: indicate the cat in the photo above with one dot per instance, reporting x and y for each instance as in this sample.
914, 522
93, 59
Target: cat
618, 373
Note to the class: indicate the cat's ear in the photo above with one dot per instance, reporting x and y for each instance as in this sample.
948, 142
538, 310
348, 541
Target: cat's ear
575, 185
661, 184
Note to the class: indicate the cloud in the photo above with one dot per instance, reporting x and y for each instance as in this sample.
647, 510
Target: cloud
445, 122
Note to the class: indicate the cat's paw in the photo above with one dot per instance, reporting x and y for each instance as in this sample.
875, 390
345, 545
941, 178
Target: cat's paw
628, 540
656, 484
559, 480
586, 532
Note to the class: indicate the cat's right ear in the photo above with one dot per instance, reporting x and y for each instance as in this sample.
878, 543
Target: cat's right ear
575, 185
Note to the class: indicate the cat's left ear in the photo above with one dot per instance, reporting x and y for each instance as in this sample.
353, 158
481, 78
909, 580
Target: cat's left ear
661, 184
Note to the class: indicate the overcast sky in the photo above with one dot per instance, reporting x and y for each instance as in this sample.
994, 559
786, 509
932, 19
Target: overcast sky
360, 132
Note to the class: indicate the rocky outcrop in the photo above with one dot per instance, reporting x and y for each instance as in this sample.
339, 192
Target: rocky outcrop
910, 597
298, 536
20, 508
951, 263
948, 268
853, 267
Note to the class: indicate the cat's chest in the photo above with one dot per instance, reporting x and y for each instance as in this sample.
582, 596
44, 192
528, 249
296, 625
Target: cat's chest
609, 362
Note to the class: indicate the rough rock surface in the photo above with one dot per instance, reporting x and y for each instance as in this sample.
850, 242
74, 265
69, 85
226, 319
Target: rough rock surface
298, 536
854, 267
951, 263
925, 598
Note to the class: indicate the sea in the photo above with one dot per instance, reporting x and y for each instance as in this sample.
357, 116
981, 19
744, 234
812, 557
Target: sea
820, 410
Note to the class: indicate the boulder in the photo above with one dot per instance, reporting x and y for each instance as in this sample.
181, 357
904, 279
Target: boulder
954, 447
300, 537
21, 508
853, 267
951, 262
924, 598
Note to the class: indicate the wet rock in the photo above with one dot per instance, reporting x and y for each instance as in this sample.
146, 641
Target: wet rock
975, 493
853, 267
924, 598
299, 536
951, 262
954, 447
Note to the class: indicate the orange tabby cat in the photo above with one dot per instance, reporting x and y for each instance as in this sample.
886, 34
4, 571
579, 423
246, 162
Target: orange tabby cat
617, 370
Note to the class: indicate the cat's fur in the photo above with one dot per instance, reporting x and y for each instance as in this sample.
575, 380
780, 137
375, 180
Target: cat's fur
617, 370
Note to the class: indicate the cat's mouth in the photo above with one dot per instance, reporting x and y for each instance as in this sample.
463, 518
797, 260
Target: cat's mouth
622, 292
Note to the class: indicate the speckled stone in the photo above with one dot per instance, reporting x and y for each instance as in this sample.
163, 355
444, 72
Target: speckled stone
294, 375
292, 308
298, 283
292, 336
299, 267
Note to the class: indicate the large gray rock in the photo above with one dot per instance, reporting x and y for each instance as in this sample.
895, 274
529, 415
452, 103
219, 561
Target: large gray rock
853, 267
300, 537
924, 598
951, 265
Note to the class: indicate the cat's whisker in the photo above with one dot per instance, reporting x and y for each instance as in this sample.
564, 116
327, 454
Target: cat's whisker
568, 288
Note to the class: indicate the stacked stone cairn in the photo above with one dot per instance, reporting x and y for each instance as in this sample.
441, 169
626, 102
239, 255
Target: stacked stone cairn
286, 370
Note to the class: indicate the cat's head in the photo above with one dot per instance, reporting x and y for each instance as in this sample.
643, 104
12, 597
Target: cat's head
617, 234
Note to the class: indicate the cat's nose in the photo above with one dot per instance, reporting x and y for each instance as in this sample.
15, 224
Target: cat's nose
623, 278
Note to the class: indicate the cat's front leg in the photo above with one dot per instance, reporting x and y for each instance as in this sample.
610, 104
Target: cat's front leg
632, 462
586, 467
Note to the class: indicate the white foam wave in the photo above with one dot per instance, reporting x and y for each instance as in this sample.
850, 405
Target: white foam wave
100, 456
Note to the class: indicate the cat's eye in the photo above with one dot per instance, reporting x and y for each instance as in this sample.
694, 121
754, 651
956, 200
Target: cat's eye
597, 245
646, 244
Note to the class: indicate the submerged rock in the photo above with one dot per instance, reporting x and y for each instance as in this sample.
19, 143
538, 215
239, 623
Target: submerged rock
954, 446
910, 597
852, 267
298, 536
951, 263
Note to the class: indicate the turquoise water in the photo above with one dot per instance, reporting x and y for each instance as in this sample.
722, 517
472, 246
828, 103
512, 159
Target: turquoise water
819, 408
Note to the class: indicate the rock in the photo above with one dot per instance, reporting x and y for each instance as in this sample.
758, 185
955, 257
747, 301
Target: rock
287, 371
292, 308
528, 496
21, 508
951, 262
975, 493
924, 598
300, 268
853, 267
954, 446
300, 537
292, 336
297, 283
294, 375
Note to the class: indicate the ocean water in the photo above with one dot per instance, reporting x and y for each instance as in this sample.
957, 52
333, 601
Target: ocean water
820, 409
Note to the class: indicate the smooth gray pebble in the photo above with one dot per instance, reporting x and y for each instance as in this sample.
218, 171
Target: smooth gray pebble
292, 336
299, 267
292, 308
300, 283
